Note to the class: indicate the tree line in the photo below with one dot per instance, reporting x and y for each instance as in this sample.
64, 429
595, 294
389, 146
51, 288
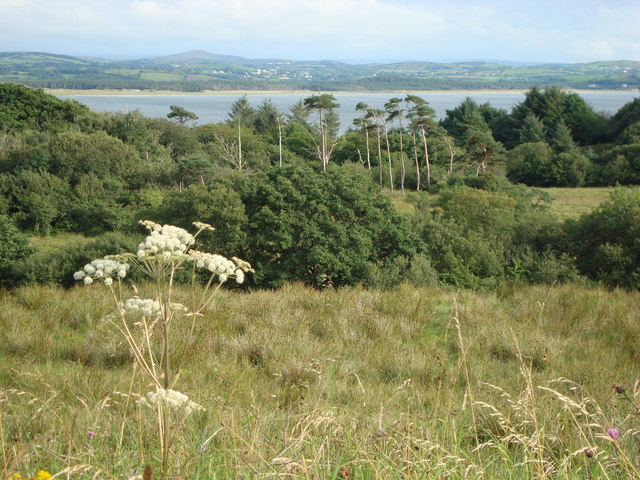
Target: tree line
303, 203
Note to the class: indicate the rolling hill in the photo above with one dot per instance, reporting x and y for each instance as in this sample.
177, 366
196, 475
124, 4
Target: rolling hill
200, 70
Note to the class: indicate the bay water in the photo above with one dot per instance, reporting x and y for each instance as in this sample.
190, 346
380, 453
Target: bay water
215, 108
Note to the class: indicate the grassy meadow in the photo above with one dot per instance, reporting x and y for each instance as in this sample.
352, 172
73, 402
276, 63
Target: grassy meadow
352, 383
573, 202
566, 203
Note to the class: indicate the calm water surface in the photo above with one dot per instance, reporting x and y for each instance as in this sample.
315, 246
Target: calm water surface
215, 108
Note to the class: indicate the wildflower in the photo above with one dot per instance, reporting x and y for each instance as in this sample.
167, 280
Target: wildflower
217, 264
43, 475
203, 226
91, 434
242, 265
613, 433
104, 269
164, 241
171, 399
221, 266
142, 306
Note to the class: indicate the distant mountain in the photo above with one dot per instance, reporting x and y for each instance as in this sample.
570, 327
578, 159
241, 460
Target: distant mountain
201, 56
199, 70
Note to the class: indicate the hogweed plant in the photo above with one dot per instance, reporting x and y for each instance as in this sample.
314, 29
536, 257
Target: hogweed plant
145, 323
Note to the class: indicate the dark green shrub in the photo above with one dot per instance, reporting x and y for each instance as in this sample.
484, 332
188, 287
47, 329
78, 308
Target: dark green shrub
416, 270
38, 200
56, 265
479, 238
530, 163
320, 227
23, 107
218, 205
14, 248
606, 241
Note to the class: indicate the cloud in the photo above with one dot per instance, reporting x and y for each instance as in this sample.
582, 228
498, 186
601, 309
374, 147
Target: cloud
337, 29
368, 23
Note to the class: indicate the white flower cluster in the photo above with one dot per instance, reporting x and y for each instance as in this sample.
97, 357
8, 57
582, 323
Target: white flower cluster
142, 306
166, 241
221, 266
104, 269
148, 307
171, 399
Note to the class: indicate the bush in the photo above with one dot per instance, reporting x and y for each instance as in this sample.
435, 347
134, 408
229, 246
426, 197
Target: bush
416, 270
14, 248
545, 267
320, 227
479, 238
22, 107
217, 204
56, 264
605, 241
530, 163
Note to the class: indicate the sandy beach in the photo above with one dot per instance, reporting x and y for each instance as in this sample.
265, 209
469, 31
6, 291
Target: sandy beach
146, 93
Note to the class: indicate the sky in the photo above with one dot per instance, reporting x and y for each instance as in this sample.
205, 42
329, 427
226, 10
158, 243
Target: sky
560, 31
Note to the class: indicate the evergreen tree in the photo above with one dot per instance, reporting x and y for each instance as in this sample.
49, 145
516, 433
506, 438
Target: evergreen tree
267, 118
365, 123
560, 138
421, 117
299, 113
182, 115
481, 147
532, 129
395, 111
241, 113
327, 125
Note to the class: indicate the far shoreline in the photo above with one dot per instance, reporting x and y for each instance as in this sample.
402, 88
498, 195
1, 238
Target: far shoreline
150, 93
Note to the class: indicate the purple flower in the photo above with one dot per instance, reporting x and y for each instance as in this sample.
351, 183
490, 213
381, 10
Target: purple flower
91, 434
613, 433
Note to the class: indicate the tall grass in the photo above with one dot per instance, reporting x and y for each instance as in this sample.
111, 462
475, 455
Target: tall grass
353, 383
572, 202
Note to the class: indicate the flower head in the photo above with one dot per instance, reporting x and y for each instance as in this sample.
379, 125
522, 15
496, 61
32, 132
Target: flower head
141, 306
203, 226
104, 269
171, 399
221, 266
164, 241
613, 433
